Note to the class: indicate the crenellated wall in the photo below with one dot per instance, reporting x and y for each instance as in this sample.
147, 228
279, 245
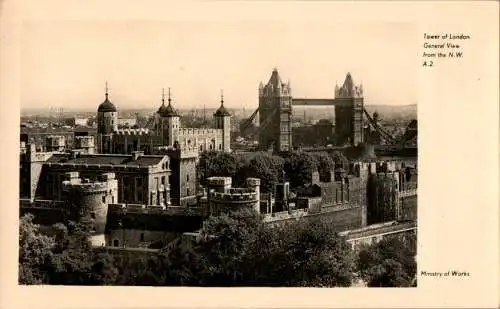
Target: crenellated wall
223, 198
88, 201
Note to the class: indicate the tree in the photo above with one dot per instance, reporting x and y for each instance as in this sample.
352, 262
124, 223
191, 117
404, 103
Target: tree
266, 167
35, 252
238, 249
225, 243
389, 263
302, 253
216, 164
299, 167
74, 260
326, 164
340, 159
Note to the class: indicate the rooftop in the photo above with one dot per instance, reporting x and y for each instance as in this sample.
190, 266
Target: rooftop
111, 159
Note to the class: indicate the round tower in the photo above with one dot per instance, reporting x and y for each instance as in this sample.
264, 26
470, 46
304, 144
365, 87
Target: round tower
167, 121
254, 184
223, 122
107, 123
88, 201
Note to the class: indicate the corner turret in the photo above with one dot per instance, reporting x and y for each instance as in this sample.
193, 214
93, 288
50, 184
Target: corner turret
222, 120
167, 121
107, 123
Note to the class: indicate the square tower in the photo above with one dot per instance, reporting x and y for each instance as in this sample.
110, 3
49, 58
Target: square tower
349, 109
275, 114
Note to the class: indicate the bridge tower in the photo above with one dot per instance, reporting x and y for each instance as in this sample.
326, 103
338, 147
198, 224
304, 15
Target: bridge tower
275, 114
349, 113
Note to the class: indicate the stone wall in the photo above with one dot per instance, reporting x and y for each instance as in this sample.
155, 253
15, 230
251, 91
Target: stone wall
139, 238
409, 209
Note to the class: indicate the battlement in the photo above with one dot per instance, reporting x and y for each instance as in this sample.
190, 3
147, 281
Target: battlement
219, 181
139, 131
46, 204
154, 209
234, 196
198, 131
87, 186
253, 182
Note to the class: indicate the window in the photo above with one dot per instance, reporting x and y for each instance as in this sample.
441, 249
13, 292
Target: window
220, 146
104, 198
116, 243
201, 147
187, 192
92, 215
163, 180
112, 199
142, 236
187, 177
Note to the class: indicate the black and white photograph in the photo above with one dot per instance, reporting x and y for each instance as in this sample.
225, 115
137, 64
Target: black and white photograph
181, 154
249, 154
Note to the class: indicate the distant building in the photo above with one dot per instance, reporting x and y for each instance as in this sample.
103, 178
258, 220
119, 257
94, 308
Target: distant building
127, 122
82, 122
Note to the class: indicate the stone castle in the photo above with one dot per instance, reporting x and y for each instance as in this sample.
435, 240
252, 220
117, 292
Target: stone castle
167, 131
138, 187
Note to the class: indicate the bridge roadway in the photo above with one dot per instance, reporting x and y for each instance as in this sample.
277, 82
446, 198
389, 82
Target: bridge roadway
312, 102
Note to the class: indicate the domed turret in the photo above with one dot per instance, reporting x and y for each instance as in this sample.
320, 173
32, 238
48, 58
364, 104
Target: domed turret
169, 110
106, 106
222, 111
167, 121
107, 116
223, 121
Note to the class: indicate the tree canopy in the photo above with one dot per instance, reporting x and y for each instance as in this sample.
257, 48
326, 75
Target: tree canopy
389, 263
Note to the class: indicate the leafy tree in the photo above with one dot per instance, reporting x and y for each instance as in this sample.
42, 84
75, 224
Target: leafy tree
35, 252
262, 165
340, 160
216, 164
241, 250
75, 262
299, 167
225, 242
389, 263
326, 164
303, 253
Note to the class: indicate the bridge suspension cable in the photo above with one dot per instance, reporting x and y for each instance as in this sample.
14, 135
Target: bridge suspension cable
249, 120
388, 137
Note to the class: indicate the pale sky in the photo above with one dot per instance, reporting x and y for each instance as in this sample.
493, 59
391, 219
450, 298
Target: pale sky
66, 63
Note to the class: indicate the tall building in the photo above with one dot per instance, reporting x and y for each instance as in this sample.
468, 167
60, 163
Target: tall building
275, 114
107, 124
349, 113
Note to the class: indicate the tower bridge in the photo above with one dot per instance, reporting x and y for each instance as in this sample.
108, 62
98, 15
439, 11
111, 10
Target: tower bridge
275, 115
